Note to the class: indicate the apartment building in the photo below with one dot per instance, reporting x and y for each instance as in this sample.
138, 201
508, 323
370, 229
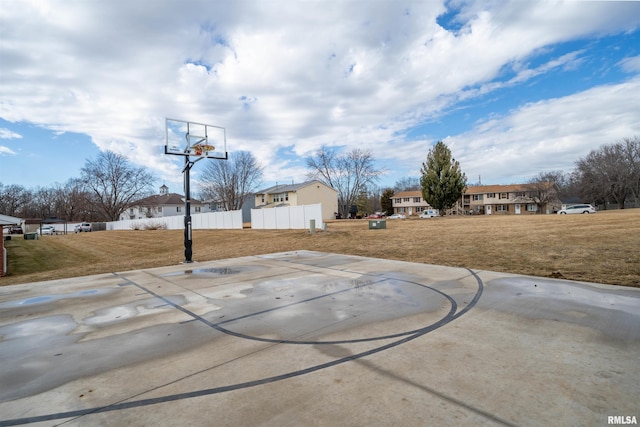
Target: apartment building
514, 199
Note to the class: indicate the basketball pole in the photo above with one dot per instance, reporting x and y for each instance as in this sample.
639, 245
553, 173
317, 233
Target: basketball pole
201, 149
188, 242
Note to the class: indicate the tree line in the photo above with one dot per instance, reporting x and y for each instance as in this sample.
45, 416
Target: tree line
607, 177
106, 187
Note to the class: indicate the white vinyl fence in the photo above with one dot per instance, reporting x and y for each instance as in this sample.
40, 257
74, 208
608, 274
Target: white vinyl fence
209, 220
286, 217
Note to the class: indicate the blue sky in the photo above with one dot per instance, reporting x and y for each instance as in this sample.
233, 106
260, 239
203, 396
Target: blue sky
513, 88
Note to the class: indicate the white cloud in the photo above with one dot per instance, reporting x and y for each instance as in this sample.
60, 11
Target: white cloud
548, 135
8, 134
6, 150
631, 64
280, 76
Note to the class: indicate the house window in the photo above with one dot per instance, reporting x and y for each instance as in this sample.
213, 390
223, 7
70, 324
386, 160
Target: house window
286, 197
504, 195
406, 199
262, 198
179, 209
477, 197
532, 208
491, 195
400, 210
159, 209
197, 208
419, 209
416, 200
398, 200
502, 208
520, 194
131, 211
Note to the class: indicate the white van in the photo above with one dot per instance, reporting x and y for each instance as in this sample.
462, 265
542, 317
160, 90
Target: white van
428, 213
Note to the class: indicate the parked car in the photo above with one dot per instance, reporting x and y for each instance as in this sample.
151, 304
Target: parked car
429, 213
15, 230
375, 216
577, 209
47, 230
85, 226
397, 216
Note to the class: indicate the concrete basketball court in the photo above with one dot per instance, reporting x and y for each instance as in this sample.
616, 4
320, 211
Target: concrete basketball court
317, 339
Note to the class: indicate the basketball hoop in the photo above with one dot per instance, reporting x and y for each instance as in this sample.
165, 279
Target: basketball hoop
187, 139
198, 149
184, 138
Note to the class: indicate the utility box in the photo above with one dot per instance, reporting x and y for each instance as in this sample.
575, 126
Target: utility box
378, 224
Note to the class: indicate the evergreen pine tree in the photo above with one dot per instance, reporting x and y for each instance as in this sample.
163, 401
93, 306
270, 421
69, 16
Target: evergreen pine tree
442, 181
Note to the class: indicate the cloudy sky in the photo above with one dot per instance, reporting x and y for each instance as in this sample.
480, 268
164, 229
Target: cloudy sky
513, 88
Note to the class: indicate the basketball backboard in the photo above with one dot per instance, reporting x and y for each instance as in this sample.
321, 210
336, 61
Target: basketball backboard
184, 138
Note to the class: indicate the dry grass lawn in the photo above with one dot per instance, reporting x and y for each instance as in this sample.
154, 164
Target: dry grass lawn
603, 248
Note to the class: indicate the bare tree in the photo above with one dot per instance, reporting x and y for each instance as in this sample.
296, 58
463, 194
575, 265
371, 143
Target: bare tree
631, 152
42, 203
230, 182
368, 201
349, 173
14, 200
544, 191
72, 201
115, 183
407, 184
611, 173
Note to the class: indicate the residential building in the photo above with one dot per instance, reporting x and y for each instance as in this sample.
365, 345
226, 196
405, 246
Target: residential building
306, 193
409, 203
162, 205
514, 199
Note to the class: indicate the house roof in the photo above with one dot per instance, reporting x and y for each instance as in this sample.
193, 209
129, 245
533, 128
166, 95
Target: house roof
9, 220
163, 199
483, 189
414, 193
282, 188
510, 188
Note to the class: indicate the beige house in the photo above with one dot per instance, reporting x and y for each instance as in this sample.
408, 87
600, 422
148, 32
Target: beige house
409, 203
306, 193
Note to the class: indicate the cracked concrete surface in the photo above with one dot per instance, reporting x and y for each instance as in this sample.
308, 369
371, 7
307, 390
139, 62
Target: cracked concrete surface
309, 338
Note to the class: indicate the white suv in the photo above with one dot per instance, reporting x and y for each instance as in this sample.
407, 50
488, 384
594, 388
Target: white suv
577, 209
85, 226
